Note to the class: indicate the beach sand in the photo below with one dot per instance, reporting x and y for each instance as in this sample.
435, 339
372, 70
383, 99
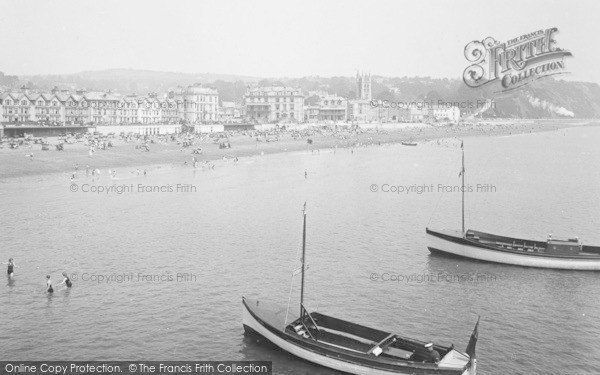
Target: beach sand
16, 162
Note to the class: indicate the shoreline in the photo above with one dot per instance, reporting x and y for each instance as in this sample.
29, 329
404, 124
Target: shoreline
15, 163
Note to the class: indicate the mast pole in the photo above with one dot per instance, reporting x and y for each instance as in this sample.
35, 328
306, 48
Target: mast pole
463, 186
303, 261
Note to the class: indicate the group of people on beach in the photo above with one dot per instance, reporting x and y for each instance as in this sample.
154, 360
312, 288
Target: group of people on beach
49, 289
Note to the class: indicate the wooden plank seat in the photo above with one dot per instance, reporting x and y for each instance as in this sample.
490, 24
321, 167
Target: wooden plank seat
382, 344
342, 341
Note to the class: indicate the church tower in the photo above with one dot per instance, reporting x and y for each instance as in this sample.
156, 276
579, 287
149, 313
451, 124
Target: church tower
363, 82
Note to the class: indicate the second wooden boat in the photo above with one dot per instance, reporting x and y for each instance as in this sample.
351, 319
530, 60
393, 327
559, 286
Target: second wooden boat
557, 253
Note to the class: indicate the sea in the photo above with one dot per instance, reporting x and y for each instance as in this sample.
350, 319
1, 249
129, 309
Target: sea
159, 263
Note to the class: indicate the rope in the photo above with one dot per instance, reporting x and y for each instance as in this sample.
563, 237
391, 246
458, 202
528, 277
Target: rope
289, 301
291, 288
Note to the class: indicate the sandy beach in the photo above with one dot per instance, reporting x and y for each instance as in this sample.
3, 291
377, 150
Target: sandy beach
16, 163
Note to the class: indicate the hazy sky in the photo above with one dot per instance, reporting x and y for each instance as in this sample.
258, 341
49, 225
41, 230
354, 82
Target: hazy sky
282, 38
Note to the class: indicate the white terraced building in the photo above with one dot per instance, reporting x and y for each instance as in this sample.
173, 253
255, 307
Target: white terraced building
193, 104
274, 104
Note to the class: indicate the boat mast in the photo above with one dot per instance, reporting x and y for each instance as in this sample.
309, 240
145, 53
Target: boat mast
462, 173
303, 261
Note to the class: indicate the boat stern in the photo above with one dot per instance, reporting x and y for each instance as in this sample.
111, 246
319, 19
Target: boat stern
457, 360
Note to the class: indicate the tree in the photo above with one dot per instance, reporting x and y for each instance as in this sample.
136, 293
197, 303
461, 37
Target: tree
9, 81
265, 82
385, 95
312, 100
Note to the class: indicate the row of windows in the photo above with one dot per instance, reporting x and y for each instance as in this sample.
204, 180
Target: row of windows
84, 104
274, 100
26, 102
278, 93
15, 111
211, 99
332, 102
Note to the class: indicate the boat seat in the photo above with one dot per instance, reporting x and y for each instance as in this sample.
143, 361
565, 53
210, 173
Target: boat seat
343, 342
381, 345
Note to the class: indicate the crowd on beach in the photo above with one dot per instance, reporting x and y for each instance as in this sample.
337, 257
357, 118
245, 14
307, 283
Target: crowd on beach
202, 150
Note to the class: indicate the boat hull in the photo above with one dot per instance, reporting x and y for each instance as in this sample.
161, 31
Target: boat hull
254, 324
453, 243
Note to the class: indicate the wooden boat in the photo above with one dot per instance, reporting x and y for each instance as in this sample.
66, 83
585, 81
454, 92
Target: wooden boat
350, 347
406, 143
553, 253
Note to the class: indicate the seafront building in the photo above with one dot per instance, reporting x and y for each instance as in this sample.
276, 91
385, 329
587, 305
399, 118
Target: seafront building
229, 112
311, 113
450, 113
274, 104
192, 105
328, 108
199, 105
428, 112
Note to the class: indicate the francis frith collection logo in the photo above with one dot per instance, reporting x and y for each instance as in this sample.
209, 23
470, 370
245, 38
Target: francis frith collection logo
514, 63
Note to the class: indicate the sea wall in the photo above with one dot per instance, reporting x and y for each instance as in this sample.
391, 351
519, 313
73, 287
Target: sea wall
151, 129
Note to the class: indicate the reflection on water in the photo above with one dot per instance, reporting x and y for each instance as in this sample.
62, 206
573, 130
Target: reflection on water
240, 234
10, 281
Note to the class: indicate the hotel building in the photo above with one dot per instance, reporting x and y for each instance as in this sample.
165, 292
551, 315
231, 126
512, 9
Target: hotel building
274, 104
197, 104
329, 108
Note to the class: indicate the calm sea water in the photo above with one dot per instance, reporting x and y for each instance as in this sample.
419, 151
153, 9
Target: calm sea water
239, 234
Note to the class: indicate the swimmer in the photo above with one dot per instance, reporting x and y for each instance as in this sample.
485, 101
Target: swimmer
49, 285
11, 267
66, 281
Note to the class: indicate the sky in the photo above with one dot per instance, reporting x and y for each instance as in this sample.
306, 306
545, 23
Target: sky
264, 38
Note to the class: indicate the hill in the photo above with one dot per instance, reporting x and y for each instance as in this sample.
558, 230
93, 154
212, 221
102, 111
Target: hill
545, 98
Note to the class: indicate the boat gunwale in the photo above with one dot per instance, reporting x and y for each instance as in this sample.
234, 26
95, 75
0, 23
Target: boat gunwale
466, 241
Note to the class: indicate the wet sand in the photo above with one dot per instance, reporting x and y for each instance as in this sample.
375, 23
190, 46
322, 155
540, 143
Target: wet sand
15, 162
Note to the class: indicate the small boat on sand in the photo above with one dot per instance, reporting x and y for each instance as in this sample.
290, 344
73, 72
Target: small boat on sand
408, 143
349, 347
